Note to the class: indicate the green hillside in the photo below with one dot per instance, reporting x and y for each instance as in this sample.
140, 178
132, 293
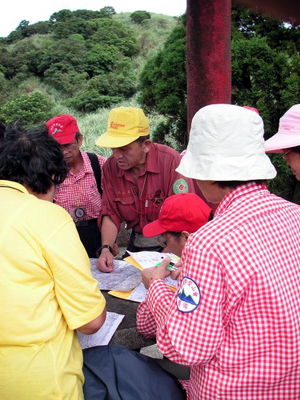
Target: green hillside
81, 62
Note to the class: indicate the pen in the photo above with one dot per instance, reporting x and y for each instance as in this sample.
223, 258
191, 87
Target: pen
170, 267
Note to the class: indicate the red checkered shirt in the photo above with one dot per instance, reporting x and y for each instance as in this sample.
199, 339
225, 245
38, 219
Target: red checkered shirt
81, 190
242, 339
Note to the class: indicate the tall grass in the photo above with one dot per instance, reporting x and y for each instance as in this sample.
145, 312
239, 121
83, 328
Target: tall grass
94, 124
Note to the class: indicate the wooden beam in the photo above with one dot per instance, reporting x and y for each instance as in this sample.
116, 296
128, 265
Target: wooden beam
208, 53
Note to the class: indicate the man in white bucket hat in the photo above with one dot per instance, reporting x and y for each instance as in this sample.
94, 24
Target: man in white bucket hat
235, 316
287, 139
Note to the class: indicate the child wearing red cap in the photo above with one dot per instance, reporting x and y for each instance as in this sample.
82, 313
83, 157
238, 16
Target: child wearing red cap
180, 215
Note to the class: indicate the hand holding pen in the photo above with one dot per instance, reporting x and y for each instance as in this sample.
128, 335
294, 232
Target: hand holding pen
157, 272
176, 270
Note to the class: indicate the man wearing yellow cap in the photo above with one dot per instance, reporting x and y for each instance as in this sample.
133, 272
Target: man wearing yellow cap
137, 178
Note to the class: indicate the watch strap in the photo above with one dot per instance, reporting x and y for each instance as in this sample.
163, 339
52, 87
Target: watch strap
106, 246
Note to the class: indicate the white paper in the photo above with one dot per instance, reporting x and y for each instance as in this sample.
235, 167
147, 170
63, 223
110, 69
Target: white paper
124, 276
147, 259
105, 333
171, 282
138, 294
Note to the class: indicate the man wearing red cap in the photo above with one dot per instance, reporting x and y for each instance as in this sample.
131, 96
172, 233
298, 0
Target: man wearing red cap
80, 193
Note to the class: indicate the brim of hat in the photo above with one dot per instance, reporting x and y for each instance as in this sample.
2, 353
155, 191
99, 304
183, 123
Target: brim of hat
218, 168
65, 139
281, 141
153, 229
114, 141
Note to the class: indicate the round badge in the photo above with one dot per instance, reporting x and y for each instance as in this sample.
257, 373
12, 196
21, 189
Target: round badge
189, 296
79, 212
180, 186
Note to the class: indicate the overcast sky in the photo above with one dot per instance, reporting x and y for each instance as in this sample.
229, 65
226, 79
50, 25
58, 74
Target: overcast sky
12, 12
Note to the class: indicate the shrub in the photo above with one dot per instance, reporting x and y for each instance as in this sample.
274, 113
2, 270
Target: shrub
91, 100
139, 16
30, 109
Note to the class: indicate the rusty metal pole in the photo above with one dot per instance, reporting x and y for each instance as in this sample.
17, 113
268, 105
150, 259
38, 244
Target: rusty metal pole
208, 53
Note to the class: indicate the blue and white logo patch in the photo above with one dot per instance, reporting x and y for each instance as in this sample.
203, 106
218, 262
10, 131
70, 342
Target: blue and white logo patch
189, 296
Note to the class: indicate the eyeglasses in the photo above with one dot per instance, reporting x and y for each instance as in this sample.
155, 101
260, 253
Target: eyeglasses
68, 146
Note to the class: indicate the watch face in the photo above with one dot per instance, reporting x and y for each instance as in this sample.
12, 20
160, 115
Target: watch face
79, 212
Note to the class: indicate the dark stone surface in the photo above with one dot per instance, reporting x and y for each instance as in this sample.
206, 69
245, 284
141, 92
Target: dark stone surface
126, 334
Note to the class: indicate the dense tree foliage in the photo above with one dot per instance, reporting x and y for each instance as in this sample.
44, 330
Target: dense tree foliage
265, 75
163, 84
28, 109
265, 70
77, 47
139, 16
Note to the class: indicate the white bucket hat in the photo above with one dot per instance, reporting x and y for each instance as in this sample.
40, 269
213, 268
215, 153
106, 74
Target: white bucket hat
226, 144
288, 134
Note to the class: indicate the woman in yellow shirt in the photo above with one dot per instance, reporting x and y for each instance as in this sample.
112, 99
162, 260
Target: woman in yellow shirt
47, 290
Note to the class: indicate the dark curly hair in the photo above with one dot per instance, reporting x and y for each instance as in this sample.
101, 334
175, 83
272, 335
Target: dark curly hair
32, 158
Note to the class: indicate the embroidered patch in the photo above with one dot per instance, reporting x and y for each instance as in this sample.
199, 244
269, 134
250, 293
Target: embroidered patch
180, 186
189, 296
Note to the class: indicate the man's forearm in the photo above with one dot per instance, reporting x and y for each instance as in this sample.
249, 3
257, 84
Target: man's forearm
109, 231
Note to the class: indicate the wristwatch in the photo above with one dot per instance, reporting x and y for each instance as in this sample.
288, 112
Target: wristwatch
105, 246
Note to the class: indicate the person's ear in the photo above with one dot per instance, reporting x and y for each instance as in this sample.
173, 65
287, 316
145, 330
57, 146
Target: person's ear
185, 235
80, 140
147, 145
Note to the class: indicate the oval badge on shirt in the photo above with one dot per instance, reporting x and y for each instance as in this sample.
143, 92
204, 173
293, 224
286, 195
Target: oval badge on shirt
180, 186
189, 296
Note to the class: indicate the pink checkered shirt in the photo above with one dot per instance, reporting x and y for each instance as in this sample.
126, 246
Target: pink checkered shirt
81, 191
242, 339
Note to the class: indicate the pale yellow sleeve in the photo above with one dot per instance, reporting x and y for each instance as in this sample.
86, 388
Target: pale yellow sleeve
77, 292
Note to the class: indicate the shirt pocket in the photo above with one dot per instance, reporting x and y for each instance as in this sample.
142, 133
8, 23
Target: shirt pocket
126, 208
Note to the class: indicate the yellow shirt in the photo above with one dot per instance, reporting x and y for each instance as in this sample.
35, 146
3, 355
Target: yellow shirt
46, 291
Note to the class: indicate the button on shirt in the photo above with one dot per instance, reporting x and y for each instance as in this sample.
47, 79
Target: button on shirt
81, 190
138, 201
235, 318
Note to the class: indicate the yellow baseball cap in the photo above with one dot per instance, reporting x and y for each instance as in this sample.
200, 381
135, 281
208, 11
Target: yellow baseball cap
125, 125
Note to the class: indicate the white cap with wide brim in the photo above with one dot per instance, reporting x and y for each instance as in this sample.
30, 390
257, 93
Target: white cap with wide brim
288, 134
226, 144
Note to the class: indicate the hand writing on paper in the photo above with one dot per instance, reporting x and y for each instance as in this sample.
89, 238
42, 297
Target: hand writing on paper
175, 274
158, 272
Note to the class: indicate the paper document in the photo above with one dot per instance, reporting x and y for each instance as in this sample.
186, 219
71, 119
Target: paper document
138, 294
105, 333
147, 259
124, 276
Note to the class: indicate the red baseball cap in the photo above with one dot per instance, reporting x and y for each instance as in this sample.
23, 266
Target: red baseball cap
63, 128
180, 212
252, 109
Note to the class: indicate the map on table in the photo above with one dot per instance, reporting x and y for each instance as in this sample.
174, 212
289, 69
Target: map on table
124, 276
105, 333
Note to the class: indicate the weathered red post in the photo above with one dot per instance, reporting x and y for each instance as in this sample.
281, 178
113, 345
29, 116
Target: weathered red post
208, 53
